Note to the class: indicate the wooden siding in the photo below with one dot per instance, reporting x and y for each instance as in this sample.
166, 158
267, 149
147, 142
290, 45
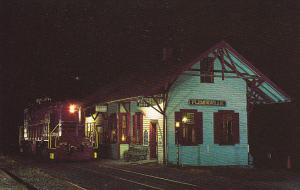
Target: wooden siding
151, 115
112, 108
233, 91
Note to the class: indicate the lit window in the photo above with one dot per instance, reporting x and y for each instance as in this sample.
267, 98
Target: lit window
124, 127
188, 118
188, 127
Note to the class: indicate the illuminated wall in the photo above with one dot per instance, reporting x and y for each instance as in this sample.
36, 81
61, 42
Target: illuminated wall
233, 91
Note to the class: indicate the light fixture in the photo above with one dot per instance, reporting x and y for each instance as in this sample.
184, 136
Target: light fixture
177, 124
51, 156
59, 131
184, 119
123, 137
72, 108
25, 133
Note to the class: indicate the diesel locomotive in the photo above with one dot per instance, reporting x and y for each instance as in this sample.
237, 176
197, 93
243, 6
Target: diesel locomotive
56, 131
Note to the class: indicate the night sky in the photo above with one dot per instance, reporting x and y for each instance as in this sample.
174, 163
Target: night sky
68, 49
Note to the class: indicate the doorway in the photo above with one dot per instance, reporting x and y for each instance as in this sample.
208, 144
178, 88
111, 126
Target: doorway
153, 140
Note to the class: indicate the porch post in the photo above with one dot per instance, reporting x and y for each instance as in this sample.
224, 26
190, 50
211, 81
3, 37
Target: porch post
164, 139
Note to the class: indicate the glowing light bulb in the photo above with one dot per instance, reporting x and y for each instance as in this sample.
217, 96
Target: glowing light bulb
123, 137
177, 124
184, 119
72, 108
59, 131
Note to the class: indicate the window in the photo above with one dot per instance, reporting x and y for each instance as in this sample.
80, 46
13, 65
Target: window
112, 125
124, 130
137, 128
188, 127
53, 120
89, 129
226, 127
207, 70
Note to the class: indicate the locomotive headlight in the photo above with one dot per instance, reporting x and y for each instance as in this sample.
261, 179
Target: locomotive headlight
25, 133
59, 131
72, 108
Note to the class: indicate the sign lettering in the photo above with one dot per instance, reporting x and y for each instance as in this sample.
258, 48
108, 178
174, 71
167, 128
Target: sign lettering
147, 102
204, 102
101, 108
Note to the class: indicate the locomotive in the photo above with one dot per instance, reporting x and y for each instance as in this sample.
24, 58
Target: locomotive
56, 131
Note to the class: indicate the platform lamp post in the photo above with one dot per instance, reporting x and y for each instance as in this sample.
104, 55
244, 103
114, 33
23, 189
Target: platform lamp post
177, 126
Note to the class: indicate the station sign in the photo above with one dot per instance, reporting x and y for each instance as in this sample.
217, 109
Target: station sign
147, 102
101, 108
205, 102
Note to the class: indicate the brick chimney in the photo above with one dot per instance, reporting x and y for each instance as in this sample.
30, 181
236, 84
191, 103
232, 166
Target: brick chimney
167, 55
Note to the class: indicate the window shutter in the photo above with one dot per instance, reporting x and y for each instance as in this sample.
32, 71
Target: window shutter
140, 117
137, 126
199, 127
218, 131
128, 128
236, 128
120, 119
178, 130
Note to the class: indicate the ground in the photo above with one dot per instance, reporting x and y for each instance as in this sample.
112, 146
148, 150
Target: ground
108, 174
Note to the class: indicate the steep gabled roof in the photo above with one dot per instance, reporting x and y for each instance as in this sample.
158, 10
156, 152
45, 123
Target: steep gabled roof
266, 90
260, 87
266, 85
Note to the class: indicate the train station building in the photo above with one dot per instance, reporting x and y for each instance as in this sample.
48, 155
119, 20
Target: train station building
194, 113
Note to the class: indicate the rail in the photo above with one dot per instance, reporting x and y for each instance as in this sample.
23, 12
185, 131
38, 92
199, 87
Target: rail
19, 180
146, 180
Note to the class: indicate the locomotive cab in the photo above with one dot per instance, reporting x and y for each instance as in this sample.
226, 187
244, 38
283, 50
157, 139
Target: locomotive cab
69, 139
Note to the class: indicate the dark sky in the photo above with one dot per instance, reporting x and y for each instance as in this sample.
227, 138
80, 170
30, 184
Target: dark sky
46, 44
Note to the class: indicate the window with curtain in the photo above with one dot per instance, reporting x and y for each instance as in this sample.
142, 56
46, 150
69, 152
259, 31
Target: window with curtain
124, 127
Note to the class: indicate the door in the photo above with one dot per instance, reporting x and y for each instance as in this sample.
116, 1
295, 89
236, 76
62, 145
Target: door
153, 141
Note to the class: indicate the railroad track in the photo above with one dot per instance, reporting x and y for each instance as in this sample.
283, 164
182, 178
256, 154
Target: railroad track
31, 187
19, 180
69, 183
76, 176
140, 179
